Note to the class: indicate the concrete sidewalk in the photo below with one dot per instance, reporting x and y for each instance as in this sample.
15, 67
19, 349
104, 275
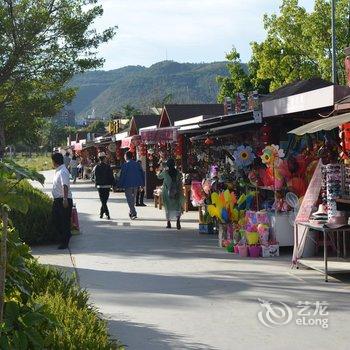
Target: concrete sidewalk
167, 289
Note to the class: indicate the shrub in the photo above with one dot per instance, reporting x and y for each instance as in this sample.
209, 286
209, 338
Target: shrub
51, 280
45, 308
79, 328
35, 227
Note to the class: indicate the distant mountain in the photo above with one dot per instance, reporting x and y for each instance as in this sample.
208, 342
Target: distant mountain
109, 91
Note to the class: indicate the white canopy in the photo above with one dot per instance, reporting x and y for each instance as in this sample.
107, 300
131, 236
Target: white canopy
322, 124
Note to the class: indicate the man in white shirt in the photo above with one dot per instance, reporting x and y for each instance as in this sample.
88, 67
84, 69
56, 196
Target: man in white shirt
62, 200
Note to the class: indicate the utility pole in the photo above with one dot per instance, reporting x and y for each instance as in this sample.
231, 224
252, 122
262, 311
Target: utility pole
334, 46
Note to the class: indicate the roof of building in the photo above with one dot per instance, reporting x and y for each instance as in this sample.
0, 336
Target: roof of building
298, 87
178, 112
144, 121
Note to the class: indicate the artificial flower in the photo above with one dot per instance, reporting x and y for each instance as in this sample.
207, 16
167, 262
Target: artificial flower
243, 156
272, 155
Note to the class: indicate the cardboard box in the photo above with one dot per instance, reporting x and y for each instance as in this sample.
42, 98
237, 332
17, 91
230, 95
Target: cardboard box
270, 250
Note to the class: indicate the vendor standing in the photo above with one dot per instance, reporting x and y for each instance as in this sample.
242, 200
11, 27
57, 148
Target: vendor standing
62, 200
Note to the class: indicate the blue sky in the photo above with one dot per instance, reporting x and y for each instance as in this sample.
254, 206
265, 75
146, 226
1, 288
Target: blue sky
182, 30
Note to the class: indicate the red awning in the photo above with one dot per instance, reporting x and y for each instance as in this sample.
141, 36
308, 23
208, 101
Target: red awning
159, 135
126, 143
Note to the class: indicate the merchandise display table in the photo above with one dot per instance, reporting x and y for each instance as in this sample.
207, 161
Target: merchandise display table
337, 266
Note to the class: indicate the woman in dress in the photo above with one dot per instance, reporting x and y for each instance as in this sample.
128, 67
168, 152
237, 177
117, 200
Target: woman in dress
172, 193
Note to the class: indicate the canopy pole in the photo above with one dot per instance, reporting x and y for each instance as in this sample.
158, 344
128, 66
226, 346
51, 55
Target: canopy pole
334, 46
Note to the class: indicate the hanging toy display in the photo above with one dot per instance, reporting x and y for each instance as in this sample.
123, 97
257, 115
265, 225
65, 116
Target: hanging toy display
179, 147
142, 150
344, 136
119, 152
150, 155
243, 156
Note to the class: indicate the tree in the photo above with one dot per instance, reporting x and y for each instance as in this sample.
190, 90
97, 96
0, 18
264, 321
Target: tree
52, 134
298, 44
43, 44
129, 111
237, 81
98, 126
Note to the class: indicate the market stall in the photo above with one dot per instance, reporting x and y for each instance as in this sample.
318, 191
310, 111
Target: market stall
323, 216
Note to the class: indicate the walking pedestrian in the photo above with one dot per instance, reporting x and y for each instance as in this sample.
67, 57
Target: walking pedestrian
104, 180
62, 203
140, 194
131, 178
74, 168
66, 160
172, 193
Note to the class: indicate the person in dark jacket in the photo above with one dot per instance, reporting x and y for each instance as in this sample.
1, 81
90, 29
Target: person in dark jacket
104, 180
131, 178
140, 195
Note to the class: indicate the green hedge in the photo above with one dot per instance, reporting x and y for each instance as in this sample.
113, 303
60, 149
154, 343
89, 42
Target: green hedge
46, 309
35, 227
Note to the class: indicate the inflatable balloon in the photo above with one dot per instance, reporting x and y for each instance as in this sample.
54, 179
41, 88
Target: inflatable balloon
284, 169
206, 186
224, 215
297, 185
214, 198
235, 215
249, 201
227, 196
222, 200
233, 198
241, 199
212, 210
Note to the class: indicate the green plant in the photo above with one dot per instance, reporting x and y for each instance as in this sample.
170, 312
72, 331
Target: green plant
79, 328
47, 279
25, 326
35, 162
35, 227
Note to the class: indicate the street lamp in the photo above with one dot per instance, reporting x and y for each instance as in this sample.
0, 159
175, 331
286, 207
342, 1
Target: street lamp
334, 46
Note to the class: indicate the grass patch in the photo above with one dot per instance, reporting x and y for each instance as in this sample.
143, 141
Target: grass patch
35, 162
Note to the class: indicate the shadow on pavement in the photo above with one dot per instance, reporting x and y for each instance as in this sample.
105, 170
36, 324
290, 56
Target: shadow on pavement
148, 337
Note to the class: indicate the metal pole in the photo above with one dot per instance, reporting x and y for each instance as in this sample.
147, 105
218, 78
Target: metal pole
334, 46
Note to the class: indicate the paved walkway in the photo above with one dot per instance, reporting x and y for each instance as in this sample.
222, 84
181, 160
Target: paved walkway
163, 289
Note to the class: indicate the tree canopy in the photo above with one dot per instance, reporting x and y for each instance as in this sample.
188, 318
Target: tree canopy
297, 46
43, 44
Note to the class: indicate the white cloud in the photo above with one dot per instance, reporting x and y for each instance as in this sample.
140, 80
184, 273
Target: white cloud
187, 30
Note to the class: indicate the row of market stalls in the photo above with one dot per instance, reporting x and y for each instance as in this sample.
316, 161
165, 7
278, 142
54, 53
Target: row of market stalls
245, 173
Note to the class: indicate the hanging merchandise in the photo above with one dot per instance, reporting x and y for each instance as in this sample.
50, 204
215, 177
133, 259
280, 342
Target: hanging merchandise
142, 150
344, 136
243, 156
333, 178
272, 157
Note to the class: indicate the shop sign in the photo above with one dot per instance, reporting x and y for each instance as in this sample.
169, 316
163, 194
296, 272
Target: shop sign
159, 135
